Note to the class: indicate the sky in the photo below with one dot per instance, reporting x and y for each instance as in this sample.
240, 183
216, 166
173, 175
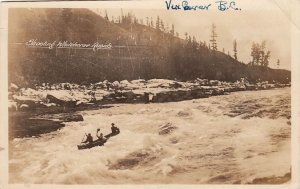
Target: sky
254, 23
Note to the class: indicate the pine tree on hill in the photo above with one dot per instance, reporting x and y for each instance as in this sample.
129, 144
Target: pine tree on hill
213, 39
234, 50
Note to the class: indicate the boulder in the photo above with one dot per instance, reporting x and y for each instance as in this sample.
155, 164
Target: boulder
214, 82
129, 94
24, 106
61, 102
176, 85
124, 82
250, 87
72, 117
137, 81
13, 87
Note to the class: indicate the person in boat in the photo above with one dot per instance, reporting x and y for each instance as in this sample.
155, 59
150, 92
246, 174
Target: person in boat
114, 129
89, 139
100, 136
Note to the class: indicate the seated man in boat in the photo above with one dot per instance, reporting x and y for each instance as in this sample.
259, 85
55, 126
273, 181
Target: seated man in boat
89, 139
114, 129
100, 136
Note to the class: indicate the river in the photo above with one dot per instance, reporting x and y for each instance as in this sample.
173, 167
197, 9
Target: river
238, 138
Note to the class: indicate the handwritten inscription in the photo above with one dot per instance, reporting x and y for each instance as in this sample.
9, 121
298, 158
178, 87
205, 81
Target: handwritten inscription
67, 44
186, 6
224, 5
34, 43
98, 46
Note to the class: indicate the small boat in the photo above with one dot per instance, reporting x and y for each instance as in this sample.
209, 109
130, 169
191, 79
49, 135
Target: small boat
112, 134
98, 142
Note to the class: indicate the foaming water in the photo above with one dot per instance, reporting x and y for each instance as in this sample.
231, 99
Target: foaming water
223, 139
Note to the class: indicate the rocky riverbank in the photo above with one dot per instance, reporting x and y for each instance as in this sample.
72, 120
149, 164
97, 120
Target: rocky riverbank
47, 107
65, 96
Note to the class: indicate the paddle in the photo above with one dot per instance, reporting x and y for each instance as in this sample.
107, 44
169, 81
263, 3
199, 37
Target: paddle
83, 137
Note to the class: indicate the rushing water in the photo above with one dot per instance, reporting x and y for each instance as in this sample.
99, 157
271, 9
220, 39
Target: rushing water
223, 139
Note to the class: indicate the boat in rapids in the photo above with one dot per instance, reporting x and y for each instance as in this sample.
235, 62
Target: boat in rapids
98, 142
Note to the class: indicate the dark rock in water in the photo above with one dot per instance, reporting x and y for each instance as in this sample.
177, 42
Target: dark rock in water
272, 180
24, 124
184, 113
53, 99
62, 117
27, 105
180, 95
72, 117
135, 159
220, 178
166, 129
24, 127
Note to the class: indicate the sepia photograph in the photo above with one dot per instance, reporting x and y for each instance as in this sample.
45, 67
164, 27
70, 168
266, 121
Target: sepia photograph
196, 92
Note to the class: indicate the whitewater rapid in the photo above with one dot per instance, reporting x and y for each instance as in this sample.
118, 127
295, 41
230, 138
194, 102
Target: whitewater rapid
222, 139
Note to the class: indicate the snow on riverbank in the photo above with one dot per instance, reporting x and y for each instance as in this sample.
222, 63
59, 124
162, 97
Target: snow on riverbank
223, 139
136, 91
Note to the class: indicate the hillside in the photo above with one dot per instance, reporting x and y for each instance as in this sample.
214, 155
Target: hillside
138, 51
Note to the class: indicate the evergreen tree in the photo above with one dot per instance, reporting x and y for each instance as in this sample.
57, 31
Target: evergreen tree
157, 23
106, 16
194, 43
151, 23
186, 36
234, 50
190, 39
278, 63
162, 26
262, 53
172, 30
167, 29
260, 57
255, 53
213, 39
266, 58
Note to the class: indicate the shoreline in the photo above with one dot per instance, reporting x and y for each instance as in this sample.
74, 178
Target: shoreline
66, 97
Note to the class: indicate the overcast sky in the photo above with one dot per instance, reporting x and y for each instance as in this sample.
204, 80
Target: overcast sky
246, 26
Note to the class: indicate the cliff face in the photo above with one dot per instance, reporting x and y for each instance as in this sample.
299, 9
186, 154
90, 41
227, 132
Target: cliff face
137, 51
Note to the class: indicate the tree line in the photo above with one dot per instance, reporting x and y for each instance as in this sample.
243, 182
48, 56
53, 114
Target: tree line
259, 52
